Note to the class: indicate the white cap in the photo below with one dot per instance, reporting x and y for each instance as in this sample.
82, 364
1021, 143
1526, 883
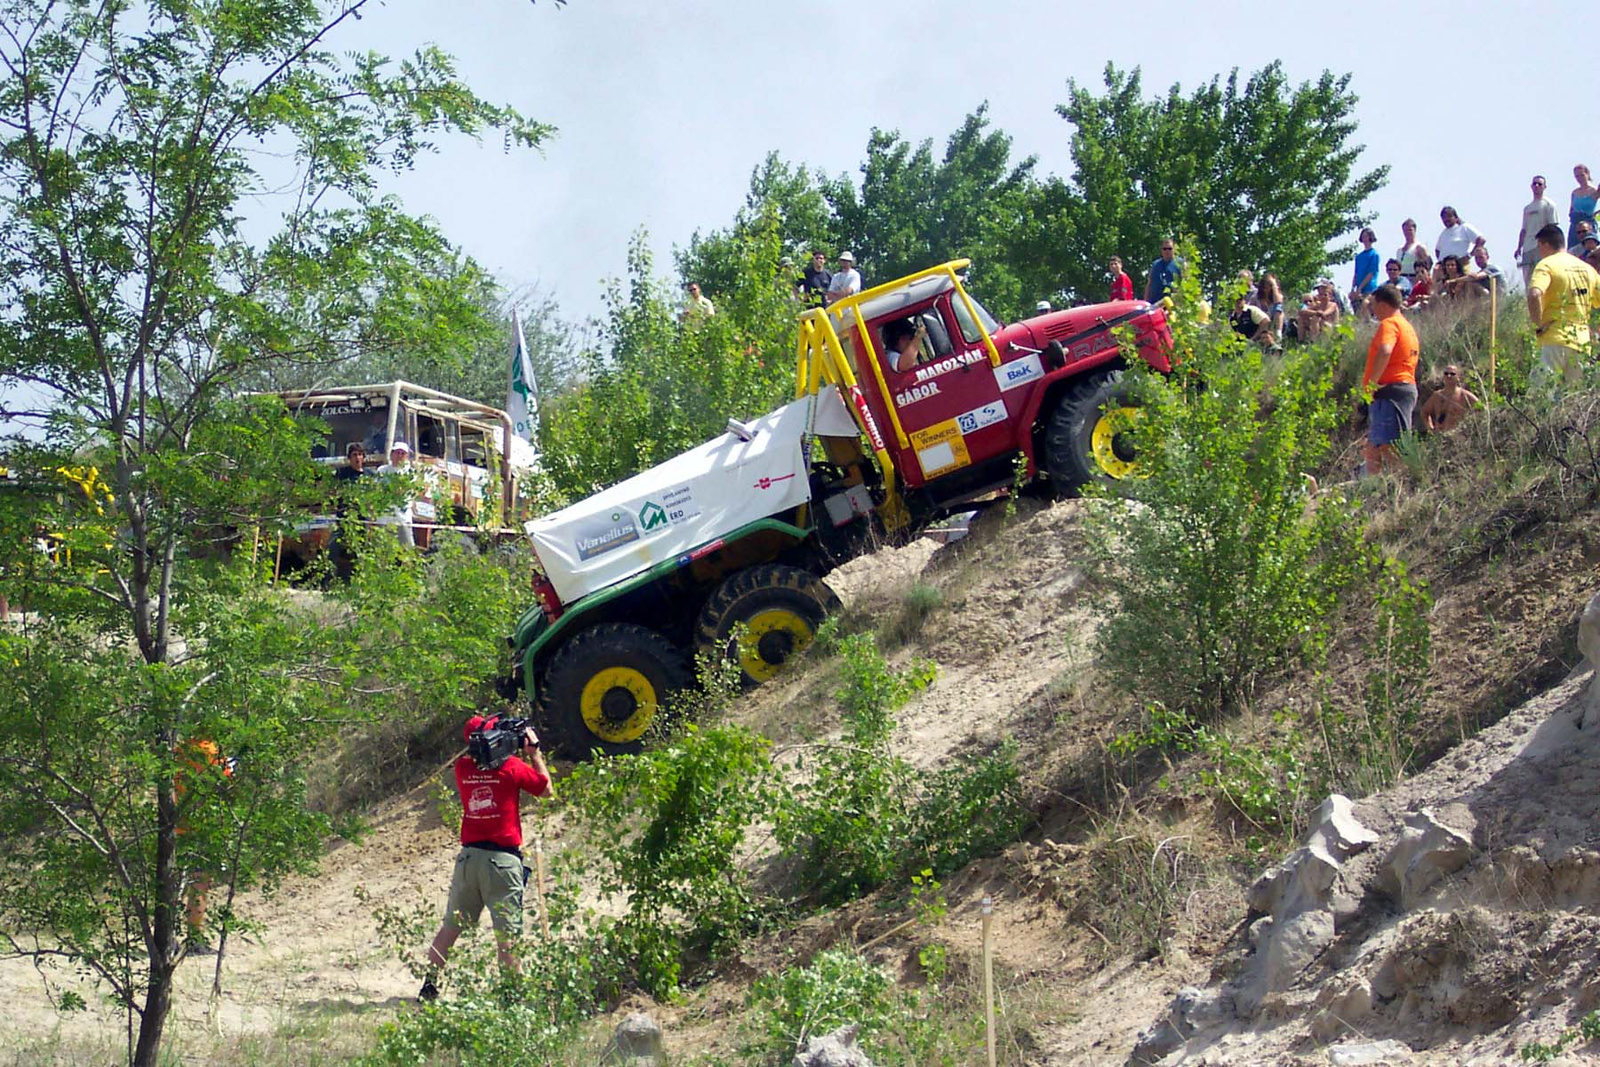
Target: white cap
1043, 305
846, 257
400, 446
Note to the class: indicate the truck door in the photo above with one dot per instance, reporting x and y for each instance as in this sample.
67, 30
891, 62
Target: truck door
949, 401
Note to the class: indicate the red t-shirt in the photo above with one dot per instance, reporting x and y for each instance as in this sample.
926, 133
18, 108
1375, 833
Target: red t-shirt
1122, 287
489, 812
1421, 287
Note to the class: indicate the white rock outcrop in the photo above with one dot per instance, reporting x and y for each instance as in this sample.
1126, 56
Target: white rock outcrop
838, 1049
1426, 851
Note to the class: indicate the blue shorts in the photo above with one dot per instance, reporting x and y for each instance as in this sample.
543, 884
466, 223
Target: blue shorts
1389, 414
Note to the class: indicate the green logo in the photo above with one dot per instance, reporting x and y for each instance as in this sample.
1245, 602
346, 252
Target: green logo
652, 515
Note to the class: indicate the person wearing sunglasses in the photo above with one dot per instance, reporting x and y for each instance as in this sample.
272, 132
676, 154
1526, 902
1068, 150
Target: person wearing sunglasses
1539, 213
1447, 405
1164, 273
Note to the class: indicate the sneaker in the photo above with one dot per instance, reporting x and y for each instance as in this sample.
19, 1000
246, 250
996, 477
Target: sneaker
429, 992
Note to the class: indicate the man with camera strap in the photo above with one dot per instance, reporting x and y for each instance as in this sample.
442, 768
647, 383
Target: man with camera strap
488, 870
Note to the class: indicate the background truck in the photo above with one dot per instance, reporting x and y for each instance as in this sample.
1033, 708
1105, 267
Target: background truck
723, 548
476, 470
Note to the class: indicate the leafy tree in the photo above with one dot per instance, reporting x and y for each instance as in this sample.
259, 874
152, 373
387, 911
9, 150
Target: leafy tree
912, 211
130, 140
781, 194
1262, 176
479, 369
664, 381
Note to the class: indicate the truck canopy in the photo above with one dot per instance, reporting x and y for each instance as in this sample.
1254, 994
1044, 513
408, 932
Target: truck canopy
689, 500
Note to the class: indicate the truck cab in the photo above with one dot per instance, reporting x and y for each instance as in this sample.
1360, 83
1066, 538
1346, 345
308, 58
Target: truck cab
972, 394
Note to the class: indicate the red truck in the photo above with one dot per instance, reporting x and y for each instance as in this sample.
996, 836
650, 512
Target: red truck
910, 401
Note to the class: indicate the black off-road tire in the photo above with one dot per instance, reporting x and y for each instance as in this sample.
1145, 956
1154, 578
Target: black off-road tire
646, 669
1069, 455
781, 608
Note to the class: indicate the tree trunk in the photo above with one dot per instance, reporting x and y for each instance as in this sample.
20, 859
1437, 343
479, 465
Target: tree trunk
154, 1020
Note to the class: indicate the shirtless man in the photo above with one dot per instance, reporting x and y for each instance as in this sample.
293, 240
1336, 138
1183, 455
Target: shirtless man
1449, 404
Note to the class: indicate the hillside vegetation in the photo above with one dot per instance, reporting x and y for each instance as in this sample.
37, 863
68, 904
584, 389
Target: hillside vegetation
1107, 719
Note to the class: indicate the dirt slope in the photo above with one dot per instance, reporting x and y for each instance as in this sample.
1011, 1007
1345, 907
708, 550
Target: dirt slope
1011, 634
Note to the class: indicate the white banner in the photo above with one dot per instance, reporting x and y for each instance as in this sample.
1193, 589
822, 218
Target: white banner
522, 399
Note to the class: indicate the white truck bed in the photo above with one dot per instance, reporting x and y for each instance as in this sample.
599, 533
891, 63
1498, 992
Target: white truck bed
666, 511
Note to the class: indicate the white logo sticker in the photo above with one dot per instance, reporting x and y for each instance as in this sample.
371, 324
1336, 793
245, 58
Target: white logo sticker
906, 397
1018, 372
978, 418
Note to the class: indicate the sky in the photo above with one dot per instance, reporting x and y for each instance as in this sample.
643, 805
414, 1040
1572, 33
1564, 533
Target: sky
663, 108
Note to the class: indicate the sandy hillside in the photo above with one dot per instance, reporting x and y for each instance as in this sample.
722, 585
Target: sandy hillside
1011, 637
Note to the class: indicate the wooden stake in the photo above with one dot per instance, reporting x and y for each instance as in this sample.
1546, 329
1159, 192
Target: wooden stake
538, 872
988, 974
1494, 318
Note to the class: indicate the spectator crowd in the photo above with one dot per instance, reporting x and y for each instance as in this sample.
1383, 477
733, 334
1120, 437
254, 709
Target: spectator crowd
1559, 274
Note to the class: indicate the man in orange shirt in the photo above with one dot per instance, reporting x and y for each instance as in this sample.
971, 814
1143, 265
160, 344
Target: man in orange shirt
1389, 383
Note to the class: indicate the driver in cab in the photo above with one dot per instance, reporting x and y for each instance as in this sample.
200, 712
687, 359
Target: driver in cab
902, 342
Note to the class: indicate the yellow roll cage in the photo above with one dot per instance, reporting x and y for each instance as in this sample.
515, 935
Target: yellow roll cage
820, 360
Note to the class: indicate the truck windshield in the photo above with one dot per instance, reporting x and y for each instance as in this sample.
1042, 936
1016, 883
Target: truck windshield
969, 329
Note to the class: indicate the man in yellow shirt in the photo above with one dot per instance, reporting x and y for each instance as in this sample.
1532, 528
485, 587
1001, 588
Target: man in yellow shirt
1562, 290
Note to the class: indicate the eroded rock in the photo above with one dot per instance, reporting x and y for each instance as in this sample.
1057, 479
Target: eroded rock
837, 1049
1589, 645
1341, 1008
1294, 944
1369, 1053
1426, 851
1192, 1010
638, 1037
1304, 880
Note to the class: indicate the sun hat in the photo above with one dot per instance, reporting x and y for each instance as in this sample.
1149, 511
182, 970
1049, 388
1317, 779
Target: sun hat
846, 257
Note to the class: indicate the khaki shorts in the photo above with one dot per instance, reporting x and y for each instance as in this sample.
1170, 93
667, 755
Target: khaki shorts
485, 878
1563, 363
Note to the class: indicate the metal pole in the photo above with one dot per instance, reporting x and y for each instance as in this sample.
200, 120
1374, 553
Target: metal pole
988, 974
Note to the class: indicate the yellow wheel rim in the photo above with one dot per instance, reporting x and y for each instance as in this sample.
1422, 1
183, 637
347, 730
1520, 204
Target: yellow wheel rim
1114, 423
779, 633
618, 704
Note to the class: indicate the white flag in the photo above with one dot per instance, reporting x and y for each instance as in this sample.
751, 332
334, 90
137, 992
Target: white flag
522, 399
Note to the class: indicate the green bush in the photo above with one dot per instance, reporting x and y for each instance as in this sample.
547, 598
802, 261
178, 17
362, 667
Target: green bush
868, 816
666, 828
1221, 573
898, 1027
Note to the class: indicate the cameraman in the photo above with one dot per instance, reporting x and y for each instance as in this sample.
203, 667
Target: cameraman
489, 867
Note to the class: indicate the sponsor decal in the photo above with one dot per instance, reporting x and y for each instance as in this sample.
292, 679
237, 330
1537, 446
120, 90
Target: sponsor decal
950, 363
767, 483
481, 802
602, 533
976, 419
651, 516
669, 509
354, 406
907, 397
940, 448
1018, 372
864, 416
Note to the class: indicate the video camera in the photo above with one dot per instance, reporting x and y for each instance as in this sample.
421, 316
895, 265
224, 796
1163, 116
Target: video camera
491, 746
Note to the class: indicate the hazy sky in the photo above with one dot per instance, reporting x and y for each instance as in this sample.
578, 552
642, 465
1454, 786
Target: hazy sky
664, 107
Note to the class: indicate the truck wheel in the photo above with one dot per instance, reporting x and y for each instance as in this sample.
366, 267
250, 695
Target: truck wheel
605, 688
1086, 439
780, 608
